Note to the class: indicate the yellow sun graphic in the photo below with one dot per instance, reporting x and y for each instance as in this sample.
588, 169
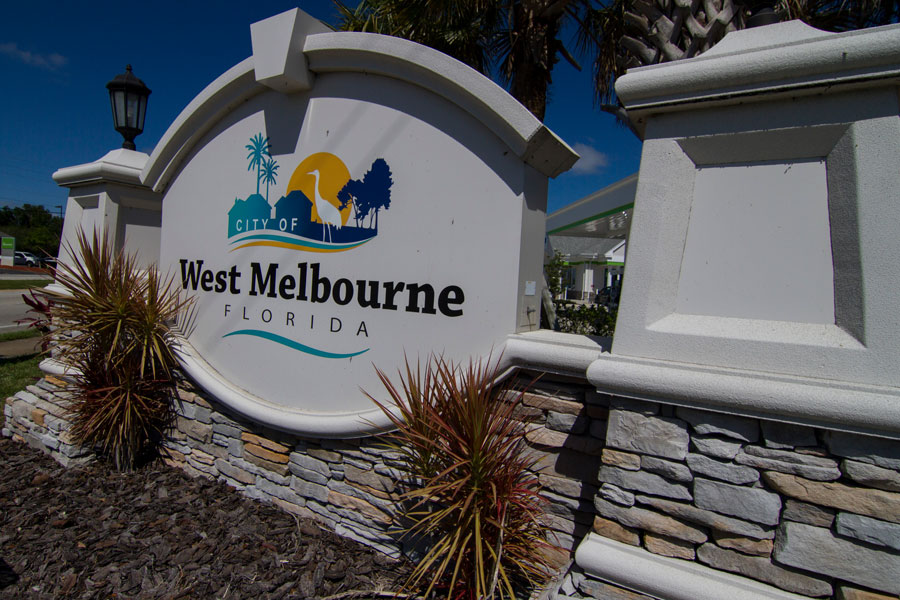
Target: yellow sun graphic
333, 175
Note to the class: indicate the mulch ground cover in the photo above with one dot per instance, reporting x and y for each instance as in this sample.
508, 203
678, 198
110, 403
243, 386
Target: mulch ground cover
89, 532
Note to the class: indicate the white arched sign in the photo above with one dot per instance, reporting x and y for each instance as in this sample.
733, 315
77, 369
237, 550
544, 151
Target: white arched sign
344, 200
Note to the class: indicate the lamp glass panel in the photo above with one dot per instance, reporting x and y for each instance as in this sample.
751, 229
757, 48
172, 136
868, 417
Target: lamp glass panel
119, 107
112, 104
132, 106
142, 111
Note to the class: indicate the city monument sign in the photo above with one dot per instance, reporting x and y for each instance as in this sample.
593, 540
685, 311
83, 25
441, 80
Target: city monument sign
341, 201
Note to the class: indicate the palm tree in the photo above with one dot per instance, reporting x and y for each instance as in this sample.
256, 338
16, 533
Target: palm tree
519, 40
269, 173
258, 147
842, 15
636, 33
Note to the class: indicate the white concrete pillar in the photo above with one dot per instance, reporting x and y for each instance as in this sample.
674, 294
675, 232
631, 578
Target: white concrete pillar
763, 239
107, 195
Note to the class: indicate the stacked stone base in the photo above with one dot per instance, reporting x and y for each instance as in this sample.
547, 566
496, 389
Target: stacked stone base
38, 416
810, 512
577, 585
349, 486
566, 427
352, 485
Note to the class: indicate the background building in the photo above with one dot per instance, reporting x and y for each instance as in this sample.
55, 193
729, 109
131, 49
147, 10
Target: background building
591, 237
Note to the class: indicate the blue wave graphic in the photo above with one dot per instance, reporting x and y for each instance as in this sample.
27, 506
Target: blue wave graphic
290, 239
272, 337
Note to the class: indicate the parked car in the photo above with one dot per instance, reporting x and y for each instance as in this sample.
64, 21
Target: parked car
608, 296
26, 258
48, 262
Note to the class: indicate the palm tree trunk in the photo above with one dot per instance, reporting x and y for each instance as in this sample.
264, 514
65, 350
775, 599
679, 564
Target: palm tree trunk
533, 52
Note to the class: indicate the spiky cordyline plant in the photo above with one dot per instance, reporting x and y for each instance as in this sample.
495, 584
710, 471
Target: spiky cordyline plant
472, 496
114, 328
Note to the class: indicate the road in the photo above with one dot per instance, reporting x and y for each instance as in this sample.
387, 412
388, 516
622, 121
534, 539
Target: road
12, 307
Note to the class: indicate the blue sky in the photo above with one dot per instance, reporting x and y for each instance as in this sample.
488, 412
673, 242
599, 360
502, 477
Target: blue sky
56, 58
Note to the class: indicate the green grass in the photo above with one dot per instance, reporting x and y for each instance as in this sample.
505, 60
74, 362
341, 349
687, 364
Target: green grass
23, 284
17, 373
20, 334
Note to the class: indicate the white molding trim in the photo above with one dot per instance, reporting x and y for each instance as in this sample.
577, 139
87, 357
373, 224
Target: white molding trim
866, 409
118, 166
56, 288
315, 424
51, 366
425, 67
780, 57
418, 65
545, 350
229, 90
667, 578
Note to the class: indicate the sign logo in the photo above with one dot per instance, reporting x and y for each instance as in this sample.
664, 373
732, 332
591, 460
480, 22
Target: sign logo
324, 210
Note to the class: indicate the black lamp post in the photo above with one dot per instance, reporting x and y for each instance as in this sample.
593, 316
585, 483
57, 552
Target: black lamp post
128, 96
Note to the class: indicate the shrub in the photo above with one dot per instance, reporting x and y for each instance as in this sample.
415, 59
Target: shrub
472, 497
586, 319
114, 328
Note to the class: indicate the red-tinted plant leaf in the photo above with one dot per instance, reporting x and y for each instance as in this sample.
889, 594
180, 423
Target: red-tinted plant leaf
475, 496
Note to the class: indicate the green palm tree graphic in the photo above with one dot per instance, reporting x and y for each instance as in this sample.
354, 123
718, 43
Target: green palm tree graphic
269, 173
258, 147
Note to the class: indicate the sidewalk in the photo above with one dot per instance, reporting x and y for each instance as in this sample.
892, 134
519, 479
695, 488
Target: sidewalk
16, 348
25, 273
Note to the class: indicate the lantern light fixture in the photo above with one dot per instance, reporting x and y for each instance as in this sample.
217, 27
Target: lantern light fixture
128, 97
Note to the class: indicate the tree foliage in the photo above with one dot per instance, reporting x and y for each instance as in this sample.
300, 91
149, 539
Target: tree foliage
521, 40
554, 270
586, 319
34, 227
635, 33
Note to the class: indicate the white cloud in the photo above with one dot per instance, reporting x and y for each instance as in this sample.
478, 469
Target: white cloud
50, 61
591, 161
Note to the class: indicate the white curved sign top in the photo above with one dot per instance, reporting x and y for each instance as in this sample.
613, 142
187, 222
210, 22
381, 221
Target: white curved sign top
340, 201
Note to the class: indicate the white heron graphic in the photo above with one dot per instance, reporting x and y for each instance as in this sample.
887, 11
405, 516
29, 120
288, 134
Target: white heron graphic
328, 212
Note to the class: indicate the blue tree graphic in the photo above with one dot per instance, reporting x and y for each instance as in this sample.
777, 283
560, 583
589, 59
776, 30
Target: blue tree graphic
269, 174
258, 147
370, 195
377, 183
349, 194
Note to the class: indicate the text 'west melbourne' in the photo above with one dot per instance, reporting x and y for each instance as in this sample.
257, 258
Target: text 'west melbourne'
309, 284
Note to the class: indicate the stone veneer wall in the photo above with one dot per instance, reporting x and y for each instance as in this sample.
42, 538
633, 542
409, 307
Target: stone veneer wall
348, 485
38, 416
809, 511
